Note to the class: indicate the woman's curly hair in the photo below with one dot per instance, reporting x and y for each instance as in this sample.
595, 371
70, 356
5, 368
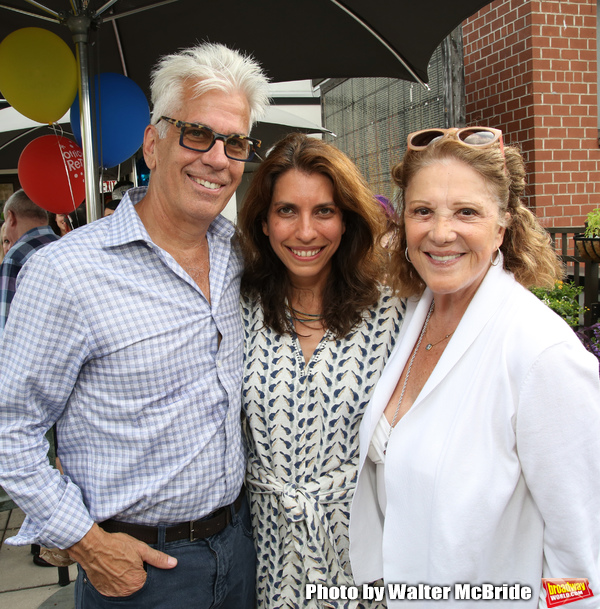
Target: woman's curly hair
356, 267
527, 246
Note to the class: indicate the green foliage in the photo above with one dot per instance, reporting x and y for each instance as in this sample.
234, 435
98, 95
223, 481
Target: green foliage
592, 225
563, 299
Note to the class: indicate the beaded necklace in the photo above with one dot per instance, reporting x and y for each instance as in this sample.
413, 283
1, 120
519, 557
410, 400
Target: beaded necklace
410, 363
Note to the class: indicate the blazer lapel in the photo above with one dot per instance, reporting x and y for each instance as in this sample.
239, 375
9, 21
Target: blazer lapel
494, 291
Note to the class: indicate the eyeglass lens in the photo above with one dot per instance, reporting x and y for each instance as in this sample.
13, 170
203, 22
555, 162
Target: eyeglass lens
426, 138
477, 138
202, 138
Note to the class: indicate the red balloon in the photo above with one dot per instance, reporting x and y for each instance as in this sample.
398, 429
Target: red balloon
51, 173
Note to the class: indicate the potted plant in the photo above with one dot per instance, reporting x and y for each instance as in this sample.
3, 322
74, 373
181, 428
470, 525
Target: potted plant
588, 243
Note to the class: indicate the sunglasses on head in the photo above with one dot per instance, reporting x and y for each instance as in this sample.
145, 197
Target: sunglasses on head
477, 137
480, 137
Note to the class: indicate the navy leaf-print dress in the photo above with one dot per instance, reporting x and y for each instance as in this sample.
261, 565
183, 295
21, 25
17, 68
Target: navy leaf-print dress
301, 426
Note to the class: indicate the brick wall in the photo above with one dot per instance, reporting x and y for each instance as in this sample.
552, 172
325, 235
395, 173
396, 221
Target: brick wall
530, 69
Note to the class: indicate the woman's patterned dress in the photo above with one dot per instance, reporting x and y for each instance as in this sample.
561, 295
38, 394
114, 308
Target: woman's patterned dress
301, 426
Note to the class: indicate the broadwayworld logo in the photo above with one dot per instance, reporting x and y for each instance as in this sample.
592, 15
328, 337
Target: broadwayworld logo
563, 591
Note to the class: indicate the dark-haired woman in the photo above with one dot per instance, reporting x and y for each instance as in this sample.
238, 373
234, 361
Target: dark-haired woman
319, 329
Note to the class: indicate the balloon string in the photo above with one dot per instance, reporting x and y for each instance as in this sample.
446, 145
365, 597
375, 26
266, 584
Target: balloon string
57, 127
62, 154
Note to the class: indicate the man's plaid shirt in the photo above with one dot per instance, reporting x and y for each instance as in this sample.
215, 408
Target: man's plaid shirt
13, 262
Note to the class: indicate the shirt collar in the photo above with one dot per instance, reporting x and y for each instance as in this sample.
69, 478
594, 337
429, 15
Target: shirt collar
34, 232
125, 225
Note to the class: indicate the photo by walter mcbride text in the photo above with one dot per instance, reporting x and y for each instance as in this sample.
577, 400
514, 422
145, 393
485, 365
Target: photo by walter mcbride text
420, 592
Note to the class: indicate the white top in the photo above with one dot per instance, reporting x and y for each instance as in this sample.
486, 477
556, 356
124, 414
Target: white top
379, 441
377, 449
493, 475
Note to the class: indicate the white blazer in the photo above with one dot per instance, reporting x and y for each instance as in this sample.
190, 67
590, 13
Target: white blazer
493, 475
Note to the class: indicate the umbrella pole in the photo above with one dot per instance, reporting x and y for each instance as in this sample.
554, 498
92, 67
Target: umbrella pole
79, 26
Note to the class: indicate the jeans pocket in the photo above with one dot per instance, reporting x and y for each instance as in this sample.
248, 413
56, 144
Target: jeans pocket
95, 599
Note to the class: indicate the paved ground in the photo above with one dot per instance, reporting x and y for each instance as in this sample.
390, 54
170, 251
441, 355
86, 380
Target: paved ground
24, 585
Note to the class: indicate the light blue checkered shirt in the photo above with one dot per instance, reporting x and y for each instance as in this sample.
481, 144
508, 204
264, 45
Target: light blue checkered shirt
109, 337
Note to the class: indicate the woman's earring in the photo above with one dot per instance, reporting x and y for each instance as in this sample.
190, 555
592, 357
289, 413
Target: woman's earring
406, 255
497, 260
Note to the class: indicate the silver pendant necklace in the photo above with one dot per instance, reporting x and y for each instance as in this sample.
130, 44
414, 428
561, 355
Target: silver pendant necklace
430, 346
410, 363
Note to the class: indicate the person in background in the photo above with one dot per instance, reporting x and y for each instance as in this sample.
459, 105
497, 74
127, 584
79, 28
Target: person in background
26, 226
113, 199
26, 230
54, 224
6, 244
318, 330
77, 218
109, 205
121, 187
480, 448
64, 223
146, 401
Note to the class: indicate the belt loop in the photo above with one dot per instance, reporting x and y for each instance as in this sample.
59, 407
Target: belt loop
160, 545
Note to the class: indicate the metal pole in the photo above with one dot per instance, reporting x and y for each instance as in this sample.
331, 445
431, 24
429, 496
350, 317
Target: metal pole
79, 26
46, 9
29, 14
454, 79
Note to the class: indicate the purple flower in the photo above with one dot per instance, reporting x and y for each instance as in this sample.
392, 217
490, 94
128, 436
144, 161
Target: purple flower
590, 337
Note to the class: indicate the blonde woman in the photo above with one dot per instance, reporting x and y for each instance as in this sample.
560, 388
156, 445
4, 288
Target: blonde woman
480, 449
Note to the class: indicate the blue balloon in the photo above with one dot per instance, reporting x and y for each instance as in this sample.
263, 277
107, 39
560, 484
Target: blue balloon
122, 117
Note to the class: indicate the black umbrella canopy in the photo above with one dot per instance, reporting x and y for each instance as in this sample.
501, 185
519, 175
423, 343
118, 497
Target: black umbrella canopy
292, 39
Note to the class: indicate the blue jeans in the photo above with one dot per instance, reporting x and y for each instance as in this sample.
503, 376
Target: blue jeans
213, 573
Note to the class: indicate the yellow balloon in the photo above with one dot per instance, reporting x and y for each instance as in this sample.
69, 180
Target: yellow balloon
38, 74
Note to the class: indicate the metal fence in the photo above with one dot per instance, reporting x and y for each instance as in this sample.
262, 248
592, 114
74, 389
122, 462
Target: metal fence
582, 272
371, 118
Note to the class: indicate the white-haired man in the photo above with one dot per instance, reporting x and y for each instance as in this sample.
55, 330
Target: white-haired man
146, 400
